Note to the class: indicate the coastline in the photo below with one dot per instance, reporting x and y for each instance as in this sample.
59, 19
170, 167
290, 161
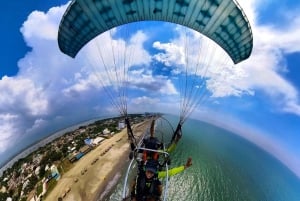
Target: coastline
113, 177
89, 181
42, 142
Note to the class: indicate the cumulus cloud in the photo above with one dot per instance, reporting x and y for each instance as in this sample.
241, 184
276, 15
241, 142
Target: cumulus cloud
21, 95
266, 66
40, 26
31, 96
120, 64
197, 55
173, 54
20, 100
7, 128
163, 104
144, 103
24, 98
263, 71
154, 84
144, 100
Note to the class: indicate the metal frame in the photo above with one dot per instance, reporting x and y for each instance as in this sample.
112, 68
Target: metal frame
166, 154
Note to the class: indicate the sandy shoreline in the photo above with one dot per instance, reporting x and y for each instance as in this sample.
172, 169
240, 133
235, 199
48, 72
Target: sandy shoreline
90, 185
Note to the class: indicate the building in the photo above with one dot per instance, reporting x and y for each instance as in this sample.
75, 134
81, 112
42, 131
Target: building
76, 156
71, 149
106, 131
54, 172
72, 157
121, 125
85, 149
88, 141
37, 170
97, 140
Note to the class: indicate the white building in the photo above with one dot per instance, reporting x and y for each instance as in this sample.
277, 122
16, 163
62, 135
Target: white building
97, 140
106, 131
121, 125
55, 173
25, 184
37, 170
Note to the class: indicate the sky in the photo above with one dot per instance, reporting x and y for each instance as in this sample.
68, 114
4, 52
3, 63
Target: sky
42, 90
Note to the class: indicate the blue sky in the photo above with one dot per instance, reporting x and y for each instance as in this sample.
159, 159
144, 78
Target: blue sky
43, 90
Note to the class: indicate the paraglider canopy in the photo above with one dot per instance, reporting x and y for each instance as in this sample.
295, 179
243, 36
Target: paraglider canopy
221, 20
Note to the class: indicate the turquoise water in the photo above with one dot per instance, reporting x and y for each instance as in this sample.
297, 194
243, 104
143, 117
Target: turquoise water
225, 168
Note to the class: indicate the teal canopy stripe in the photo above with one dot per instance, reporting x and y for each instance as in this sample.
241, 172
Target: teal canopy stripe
223, 21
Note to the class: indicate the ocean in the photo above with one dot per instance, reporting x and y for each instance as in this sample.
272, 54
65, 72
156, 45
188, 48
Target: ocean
225, 167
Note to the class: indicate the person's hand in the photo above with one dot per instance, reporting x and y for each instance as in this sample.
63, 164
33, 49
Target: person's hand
188, 162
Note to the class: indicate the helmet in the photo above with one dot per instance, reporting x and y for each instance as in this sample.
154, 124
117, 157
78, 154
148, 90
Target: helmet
151, 166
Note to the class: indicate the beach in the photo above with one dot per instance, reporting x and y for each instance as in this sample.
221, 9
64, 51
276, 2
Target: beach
93, 172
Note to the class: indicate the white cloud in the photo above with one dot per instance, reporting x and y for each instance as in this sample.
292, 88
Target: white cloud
145, 104
159, 85
107, 55
198, 55
168, 88
191, 52
262, 71
266, 64
7, 130
33, 93
38, 125
20, 95
39, 26
173, 54
107, 61
228, 81
163, 104
82, 82
144, 100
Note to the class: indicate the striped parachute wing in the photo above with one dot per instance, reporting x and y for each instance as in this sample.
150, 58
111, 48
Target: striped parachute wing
223, 21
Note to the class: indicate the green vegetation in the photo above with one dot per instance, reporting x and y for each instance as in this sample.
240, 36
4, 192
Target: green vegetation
66, 165
39, 188
42, 171
51, 185
23, 198
51, 156
33, 180
3, 196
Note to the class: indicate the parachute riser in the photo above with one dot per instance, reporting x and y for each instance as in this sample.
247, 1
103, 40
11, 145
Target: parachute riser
177, 134
131, 137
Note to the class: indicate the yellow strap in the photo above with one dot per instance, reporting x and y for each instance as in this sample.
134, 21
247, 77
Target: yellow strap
173, 171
